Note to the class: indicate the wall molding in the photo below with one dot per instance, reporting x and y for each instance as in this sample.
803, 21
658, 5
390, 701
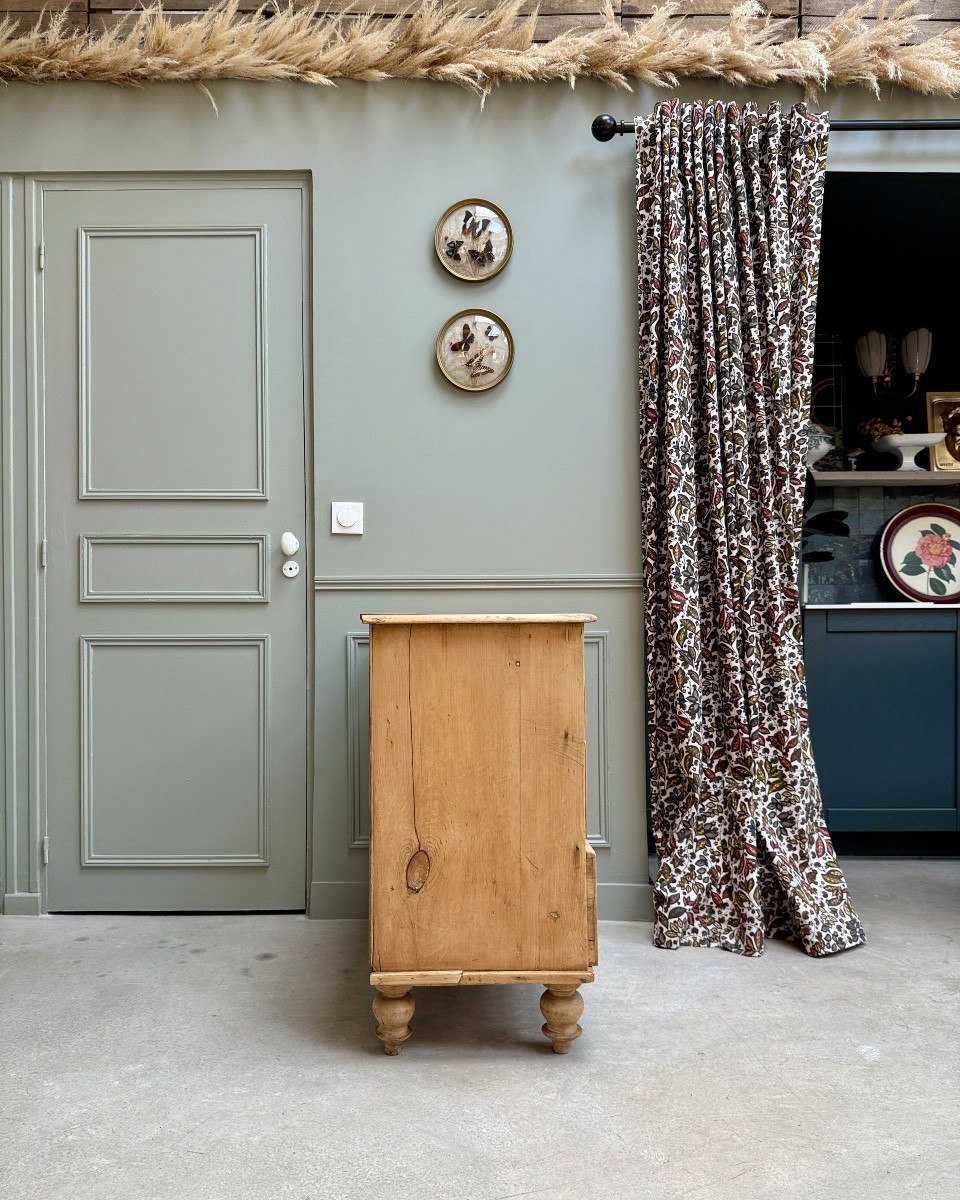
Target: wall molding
625, 901
471, 583
601, 836
358, 725
22, 904
8, 653
338, 900
32, 491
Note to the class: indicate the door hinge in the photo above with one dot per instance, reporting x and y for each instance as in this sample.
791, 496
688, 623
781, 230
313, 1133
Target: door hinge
43, 554
41, 256
45, 851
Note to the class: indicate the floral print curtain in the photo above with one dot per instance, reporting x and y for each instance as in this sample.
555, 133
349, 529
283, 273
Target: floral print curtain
729, 203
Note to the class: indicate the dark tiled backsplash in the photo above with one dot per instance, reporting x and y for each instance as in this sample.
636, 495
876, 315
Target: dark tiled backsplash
855, 575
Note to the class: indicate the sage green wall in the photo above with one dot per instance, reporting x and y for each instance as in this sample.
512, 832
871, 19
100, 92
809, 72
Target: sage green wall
525, 497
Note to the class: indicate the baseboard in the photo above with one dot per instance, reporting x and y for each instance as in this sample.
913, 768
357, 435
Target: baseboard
333, 901
22, 904
625, 901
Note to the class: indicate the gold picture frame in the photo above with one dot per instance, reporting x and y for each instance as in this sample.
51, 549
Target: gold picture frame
473, 240
475, 349
943, 416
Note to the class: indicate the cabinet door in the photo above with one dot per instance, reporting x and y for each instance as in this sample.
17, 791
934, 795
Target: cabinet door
883, 717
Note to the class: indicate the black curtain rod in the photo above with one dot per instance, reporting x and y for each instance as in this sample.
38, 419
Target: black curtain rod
606, 127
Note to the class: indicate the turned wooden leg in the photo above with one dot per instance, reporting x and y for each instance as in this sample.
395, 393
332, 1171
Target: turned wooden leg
393, 1007
562, 1007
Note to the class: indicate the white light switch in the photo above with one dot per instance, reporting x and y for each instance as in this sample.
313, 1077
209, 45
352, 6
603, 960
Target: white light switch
347, 517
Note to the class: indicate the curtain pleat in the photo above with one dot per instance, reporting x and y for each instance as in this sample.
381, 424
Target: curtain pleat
729, 203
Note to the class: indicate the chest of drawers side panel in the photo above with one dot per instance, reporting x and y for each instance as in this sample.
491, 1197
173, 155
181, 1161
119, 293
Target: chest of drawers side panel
477, 813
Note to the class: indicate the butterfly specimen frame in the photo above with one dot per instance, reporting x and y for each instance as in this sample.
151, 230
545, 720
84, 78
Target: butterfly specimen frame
475, 350
473, 240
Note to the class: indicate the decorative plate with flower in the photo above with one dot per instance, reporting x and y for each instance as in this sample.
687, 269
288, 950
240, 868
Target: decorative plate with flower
920, 553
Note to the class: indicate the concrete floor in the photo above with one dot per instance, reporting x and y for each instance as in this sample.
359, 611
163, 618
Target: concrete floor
234, 1058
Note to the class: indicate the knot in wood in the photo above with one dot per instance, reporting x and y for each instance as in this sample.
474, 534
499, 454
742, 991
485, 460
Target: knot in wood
418, 871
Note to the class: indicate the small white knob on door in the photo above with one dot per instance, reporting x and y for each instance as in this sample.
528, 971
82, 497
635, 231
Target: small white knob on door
289, 543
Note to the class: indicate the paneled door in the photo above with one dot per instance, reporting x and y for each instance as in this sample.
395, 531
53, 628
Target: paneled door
170, 339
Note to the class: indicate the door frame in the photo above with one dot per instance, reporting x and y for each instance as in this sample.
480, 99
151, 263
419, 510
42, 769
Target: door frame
23, 818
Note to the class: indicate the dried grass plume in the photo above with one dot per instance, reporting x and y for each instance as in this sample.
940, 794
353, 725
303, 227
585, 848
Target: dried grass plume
866, 46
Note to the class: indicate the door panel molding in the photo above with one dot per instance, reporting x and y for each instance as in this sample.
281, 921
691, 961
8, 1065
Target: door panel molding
87, 238
91, 855
258, 592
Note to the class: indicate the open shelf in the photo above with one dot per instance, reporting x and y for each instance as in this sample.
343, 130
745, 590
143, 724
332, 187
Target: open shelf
914, 479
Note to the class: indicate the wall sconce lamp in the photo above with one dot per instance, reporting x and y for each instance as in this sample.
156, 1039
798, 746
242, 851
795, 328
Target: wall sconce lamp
876, 355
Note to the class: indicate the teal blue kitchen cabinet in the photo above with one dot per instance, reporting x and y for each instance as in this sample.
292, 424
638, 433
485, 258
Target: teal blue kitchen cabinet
883, 697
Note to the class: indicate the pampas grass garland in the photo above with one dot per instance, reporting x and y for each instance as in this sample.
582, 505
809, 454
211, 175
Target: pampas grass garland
451, 44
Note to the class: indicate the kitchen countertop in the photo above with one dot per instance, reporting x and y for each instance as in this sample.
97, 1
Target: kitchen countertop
882, 604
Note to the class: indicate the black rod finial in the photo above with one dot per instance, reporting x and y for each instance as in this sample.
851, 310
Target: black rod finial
604, 127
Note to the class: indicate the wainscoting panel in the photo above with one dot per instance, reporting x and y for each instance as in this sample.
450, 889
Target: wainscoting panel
358, 735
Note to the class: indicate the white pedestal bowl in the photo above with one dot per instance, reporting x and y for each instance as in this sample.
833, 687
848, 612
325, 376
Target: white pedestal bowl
906, 446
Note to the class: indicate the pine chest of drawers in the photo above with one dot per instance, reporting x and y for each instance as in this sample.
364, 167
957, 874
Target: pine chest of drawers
480, 867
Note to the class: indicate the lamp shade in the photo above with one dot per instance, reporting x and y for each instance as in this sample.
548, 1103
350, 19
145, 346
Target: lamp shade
872, 353
916, 351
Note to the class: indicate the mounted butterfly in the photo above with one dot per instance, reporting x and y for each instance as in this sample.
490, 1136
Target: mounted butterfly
475, 350
473, 240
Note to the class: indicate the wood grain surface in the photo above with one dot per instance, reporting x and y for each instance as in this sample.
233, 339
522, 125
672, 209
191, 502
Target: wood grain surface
476, 618
412, 979
477, 777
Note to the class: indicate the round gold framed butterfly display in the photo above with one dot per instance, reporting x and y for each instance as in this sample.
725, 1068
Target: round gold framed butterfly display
473, 240
475, 350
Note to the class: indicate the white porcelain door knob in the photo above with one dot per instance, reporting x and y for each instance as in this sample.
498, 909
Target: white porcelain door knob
289, 543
